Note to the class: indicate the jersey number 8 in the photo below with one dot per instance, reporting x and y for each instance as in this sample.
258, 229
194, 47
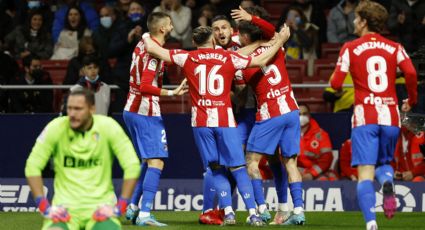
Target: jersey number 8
377, 78
213, 82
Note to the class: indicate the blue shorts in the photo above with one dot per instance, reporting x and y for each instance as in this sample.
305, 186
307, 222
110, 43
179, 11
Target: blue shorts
148, 135
219, 145
245, 120
283, 131
373, 144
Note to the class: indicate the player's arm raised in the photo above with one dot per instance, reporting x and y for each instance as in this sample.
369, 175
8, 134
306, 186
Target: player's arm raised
156, 50
265, 57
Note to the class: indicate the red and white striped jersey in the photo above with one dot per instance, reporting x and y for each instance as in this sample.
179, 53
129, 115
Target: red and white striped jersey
146, 74
210, 73
372, 61
271, 86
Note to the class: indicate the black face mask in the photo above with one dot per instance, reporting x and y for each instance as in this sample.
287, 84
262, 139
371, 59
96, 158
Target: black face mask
352, 1
37, 73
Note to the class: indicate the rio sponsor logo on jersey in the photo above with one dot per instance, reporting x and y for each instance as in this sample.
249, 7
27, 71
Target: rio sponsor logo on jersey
74, 162
274, 93
372, 99
208, 102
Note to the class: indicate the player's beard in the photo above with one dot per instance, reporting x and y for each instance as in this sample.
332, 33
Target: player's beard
167, 35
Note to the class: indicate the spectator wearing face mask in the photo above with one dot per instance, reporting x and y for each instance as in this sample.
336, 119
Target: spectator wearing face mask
75, 67
303, 42
26, 8
316, 156
91, 80
32, 38
108, 26
122, 43
31, 101
340, 22
314, 14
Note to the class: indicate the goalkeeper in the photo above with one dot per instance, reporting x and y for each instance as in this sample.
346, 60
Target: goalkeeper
83, 146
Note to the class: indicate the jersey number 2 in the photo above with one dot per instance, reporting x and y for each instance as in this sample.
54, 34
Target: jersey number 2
214, 82
377, 78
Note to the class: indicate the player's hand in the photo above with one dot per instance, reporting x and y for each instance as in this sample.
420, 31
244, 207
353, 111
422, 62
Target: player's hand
406, 107
284, 33
398, 175
307, 177
240, 14
353, 178
105, 212
55, 213
407, 175
181, 89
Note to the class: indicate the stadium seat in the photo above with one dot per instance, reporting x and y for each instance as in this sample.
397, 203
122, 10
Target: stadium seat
331, 50
175, 104
297, 69
323, 69
174, 74
275, 8
57, 71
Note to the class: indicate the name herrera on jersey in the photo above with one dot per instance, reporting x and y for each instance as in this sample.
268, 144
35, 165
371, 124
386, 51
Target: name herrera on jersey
212, 56
73, 162
372, 45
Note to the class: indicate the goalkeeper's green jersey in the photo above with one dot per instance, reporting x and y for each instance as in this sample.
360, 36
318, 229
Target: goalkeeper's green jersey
83, 160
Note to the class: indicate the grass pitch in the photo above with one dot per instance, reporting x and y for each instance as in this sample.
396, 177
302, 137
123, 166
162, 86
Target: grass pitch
189, 220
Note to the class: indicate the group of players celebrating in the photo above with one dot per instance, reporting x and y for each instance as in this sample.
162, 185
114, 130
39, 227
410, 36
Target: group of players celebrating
253, 59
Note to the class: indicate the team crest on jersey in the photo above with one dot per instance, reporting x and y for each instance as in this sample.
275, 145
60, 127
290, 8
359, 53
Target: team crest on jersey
95, 136
152, 64
314, 144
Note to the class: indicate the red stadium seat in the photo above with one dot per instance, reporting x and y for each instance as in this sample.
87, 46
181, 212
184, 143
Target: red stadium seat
175, 104
174, 74
331, 50
323, 69
297, 69
275, 7
57, 70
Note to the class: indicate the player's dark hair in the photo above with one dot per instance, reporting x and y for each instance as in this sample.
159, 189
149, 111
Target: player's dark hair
375, 15
221, 17
88, 95
90, 59
251, 30
259, 12
26, 61
201, 34
153, 20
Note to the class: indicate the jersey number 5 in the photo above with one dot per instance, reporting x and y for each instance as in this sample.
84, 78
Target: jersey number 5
272, 69
377, 78
214, 82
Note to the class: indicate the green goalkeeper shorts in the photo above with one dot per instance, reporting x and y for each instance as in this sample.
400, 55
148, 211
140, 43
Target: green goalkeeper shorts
82, 219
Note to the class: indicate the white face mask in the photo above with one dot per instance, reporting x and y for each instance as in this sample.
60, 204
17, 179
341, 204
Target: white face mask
106, 21
304, 120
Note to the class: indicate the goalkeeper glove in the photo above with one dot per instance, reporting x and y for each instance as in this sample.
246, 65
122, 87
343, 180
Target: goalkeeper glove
105, 212
55, 213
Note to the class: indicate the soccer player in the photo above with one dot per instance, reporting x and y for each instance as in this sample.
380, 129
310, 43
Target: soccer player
372, 61
210, 73
142, 117
82, 146
277, 120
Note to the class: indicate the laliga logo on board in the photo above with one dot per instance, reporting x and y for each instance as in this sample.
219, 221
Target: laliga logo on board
403, 196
